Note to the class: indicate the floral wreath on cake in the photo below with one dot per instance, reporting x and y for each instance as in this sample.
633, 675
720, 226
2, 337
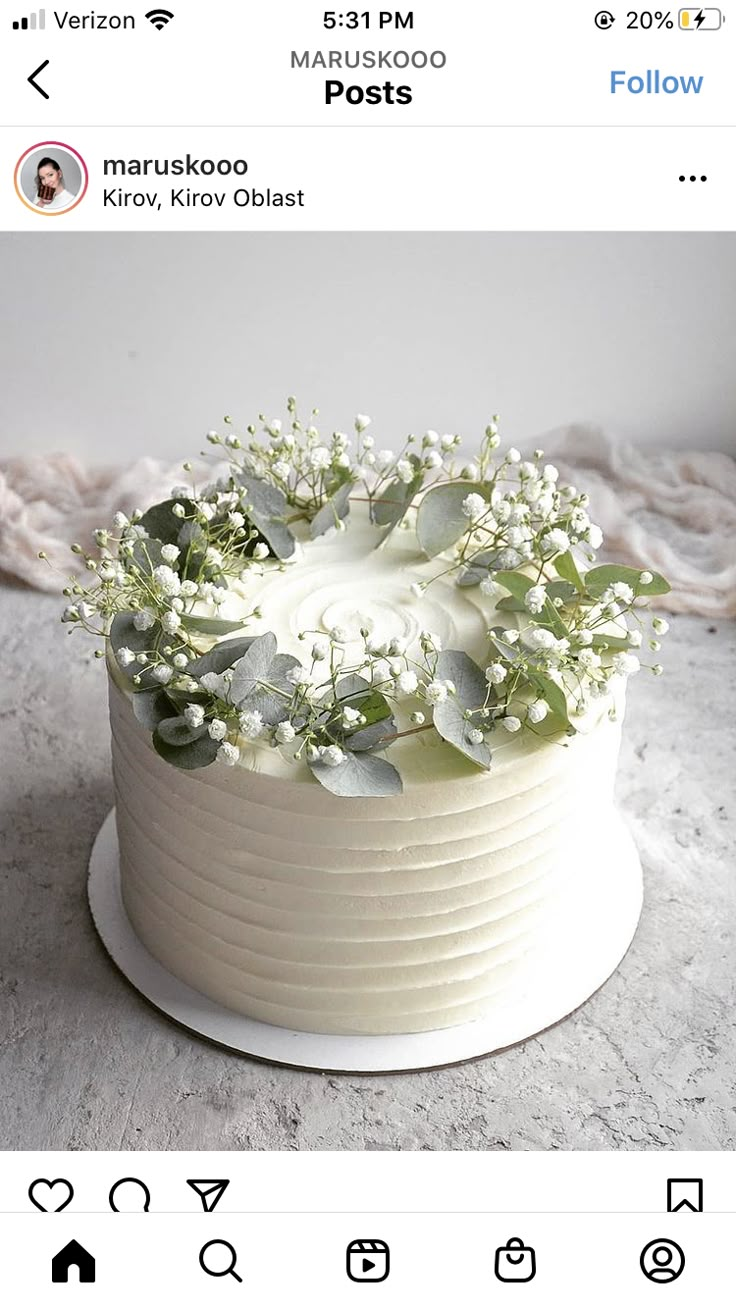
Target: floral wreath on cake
497, 522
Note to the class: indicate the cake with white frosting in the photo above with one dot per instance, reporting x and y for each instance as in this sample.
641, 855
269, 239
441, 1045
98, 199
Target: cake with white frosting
467, 893
366, 712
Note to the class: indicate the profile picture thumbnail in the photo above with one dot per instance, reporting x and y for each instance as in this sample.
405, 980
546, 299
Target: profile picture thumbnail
51, 178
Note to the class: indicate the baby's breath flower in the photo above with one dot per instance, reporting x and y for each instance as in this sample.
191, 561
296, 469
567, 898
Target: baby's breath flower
430, 438
228, 754
120, 521
251, 724
170, 553
178, 510
492, 589
645, 578
404, 471
594, 536
435, 692
351, 715
432, 459
166, 579
319, 458
361, 422
418, 718
332, 755
511, 723
189, 589
217, 729
193, 715
510, 636
475, 736
660, 625
473, 506
143, 620
540, 638
470, 472
170, 621
556, 541
495, 674
284, 733
281, 469
635, 639
583, 636
589, 660
537, 712
125, 657
447, 441
180, 661
625, 664
407, 682
512, 455
162, 673
535, 599
657, 669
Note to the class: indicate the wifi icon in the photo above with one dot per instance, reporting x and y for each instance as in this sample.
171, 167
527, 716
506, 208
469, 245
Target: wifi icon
159, 17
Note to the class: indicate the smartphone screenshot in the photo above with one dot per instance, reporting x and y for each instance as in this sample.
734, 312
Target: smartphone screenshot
367, 597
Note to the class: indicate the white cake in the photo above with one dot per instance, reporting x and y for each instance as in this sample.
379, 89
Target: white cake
472, 894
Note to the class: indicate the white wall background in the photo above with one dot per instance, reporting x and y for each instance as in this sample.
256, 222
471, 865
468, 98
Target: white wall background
114, 346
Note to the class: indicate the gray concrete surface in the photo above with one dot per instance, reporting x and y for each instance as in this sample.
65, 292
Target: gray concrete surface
648, 1063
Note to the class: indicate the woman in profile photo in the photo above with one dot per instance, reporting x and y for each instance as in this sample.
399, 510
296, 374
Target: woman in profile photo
51, 192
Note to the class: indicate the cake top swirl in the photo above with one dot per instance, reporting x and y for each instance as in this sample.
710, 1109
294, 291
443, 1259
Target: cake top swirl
340, 605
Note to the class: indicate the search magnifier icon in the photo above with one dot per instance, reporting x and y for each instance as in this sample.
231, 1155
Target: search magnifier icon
211, 1263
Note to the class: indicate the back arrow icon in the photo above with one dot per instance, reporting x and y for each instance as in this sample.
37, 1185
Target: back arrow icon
34, 75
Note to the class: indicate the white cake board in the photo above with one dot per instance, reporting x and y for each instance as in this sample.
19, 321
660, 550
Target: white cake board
358, 1054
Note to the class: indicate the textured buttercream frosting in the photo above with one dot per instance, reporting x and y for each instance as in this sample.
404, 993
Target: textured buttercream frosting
470, 891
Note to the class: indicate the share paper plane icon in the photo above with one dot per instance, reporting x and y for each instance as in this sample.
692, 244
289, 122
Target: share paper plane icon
210, 1191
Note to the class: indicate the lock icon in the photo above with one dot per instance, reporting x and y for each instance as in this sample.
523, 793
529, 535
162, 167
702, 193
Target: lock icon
515, 1262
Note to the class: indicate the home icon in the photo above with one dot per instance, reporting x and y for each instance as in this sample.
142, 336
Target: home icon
73, 1255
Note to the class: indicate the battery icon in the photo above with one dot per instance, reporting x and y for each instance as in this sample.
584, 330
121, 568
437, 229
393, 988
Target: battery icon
700, 20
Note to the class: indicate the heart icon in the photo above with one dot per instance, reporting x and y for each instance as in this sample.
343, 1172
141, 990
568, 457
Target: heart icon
46, 1201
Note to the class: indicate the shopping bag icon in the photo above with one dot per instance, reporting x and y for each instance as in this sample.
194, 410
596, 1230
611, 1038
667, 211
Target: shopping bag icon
515, 1262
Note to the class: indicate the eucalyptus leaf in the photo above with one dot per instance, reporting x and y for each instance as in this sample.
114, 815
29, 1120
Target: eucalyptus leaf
146, 556
253, 668
564, 591
603, 642
568, 569
440, 518
518, 584
267, 508
394, 499
221, 656
161, 522
152, 707
125, 635
478, 568
597, 579
373, 736
359, 774
554, 695
470, 693
272, 707
333, 511
177, 731
209, 626
198, 753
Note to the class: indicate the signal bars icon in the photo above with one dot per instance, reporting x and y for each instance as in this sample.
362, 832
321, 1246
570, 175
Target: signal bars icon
32, 23
159, 17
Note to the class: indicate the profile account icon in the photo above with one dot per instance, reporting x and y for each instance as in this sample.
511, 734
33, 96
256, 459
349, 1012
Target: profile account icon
662, 1260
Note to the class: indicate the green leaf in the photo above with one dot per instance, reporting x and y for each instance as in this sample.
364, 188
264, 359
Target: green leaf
603, 642
597, 579
509, 604
267, 509
470, 693
478, 568
253, 668
518, 584
123, 633
162, 523
209, 626
359, 775
333, 510
440, 519
221, 656
503, 647
146, 556
196, 753
176, 731
568, 569
275, 708
152, 707
548, 690
394, 500
564, 591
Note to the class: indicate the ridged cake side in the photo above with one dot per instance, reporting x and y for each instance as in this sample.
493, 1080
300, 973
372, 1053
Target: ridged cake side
406, 914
